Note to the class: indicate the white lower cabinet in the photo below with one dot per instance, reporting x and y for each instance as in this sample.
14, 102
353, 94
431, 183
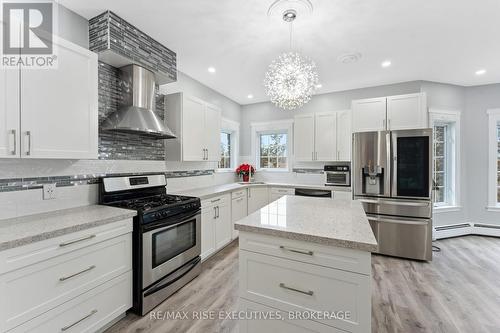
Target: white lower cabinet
306, 278
215, 224
258, 197
43, 285
277, 192
282, 323
239, 208
342, 195
89, 312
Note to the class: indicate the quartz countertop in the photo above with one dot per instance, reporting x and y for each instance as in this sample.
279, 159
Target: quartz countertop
25, 230
341, 223
207, 192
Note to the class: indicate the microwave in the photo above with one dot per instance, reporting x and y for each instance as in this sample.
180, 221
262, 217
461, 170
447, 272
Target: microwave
337, 175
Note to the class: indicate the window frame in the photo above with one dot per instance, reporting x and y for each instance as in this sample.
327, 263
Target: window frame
259, 145
493, 184
450, 118
280, 126
232, 128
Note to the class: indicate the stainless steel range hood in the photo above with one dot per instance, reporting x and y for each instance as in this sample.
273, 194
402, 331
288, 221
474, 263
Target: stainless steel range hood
136, 115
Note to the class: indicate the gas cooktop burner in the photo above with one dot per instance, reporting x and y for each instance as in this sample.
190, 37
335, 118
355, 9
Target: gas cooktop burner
151, 202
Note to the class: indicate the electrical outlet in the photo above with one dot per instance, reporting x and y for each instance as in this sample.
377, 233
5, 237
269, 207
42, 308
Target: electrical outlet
49, 191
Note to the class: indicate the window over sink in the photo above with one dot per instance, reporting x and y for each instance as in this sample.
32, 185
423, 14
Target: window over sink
273, 152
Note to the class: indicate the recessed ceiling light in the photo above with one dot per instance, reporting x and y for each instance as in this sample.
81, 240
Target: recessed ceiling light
319, 85
250, 96
211, 69
481, 72
386, 63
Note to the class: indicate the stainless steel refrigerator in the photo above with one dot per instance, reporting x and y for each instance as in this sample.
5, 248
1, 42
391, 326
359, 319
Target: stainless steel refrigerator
392, 177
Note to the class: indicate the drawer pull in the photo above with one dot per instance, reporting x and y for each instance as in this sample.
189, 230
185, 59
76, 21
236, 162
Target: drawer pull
65, 328
308, 292
212, 201
76, 240
309, 253
64, 278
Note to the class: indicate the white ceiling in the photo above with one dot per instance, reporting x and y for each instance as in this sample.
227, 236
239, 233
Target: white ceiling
435, 40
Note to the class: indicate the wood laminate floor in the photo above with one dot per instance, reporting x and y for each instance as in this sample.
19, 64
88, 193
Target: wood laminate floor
459, 291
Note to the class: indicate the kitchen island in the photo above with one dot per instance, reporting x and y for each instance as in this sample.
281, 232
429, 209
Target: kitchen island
305, 266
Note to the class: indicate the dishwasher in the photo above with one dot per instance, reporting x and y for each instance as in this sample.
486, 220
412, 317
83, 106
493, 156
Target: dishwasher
307, 192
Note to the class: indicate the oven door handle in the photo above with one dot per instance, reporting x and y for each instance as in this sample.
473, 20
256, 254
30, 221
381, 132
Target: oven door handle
177, 275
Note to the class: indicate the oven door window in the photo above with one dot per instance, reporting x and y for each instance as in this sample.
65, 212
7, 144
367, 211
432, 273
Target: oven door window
413, 166
169, 243
340, 178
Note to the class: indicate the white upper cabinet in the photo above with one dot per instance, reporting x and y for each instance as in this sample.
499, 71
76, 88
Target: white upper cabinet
369, 115
322, 136
51, 113
59, 106
9, 114
304, 138
407, 112
193, 115
325, 136
212, 132
197, 125
344, 135
390, 113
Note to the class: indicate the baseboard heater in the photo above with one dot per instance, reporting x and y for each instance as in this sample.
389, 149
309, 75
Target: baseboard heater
490, 226
453, 226
463, 229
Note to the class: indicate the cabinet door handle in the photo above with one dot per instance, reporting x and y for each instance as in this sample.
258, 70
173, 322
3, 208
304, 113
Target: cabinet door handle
64, 278
383, 124
218, 211
312, 156
389, 123
28, 134
307, 292
65, 328
215, 213
76, 240
14, 149
309, 253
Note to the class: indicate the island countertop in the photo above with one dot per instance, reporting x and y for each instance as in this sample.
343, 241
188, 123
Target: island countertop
341, 223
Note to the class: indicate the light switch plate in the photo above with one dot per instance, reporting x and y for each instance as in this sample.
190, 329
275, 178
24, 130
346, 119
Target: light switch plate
49, 191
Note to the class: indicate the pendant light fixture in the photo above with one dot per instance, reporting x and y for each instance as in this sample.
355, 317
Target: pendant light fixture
291, 78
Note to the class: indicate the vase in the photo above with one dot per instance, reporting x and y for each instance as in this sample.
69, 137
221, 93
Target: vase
246, 178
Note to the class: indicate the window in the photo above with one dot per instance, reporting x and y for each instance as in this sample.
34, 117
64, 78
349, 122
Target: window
270, 147
446, 149
273, 151
494, 160
225, 150
498, 162
441, 161
229, 141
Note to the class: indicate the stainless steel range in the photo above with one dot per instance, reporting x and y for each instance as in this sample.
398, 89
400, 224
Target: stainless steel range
166, 238
392, 174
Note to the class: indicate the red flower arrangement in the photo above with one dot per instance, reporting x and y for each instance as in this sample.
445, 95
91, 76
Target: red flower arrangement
245, 170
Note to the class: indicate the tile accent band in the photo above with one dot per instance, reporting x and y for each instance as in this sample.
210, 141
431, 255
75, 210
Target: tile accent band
32, 183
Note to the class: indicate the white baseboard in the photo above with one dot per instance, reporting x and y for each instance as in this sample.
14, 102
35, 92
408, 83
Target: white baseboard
463, 229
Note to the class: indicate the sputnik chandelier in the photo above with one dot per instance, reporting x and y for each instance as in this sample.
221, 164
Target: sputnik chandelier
291, 78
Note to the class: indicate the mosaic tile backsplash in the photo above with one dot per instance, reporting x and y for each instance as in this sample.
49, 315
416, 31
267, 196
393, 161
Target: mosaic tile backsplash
20, 184
110, 33
123, 146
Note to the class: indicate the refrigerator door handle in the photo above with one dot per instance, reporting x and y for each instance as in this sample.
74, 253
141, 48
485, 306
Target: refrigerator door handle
389, 178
